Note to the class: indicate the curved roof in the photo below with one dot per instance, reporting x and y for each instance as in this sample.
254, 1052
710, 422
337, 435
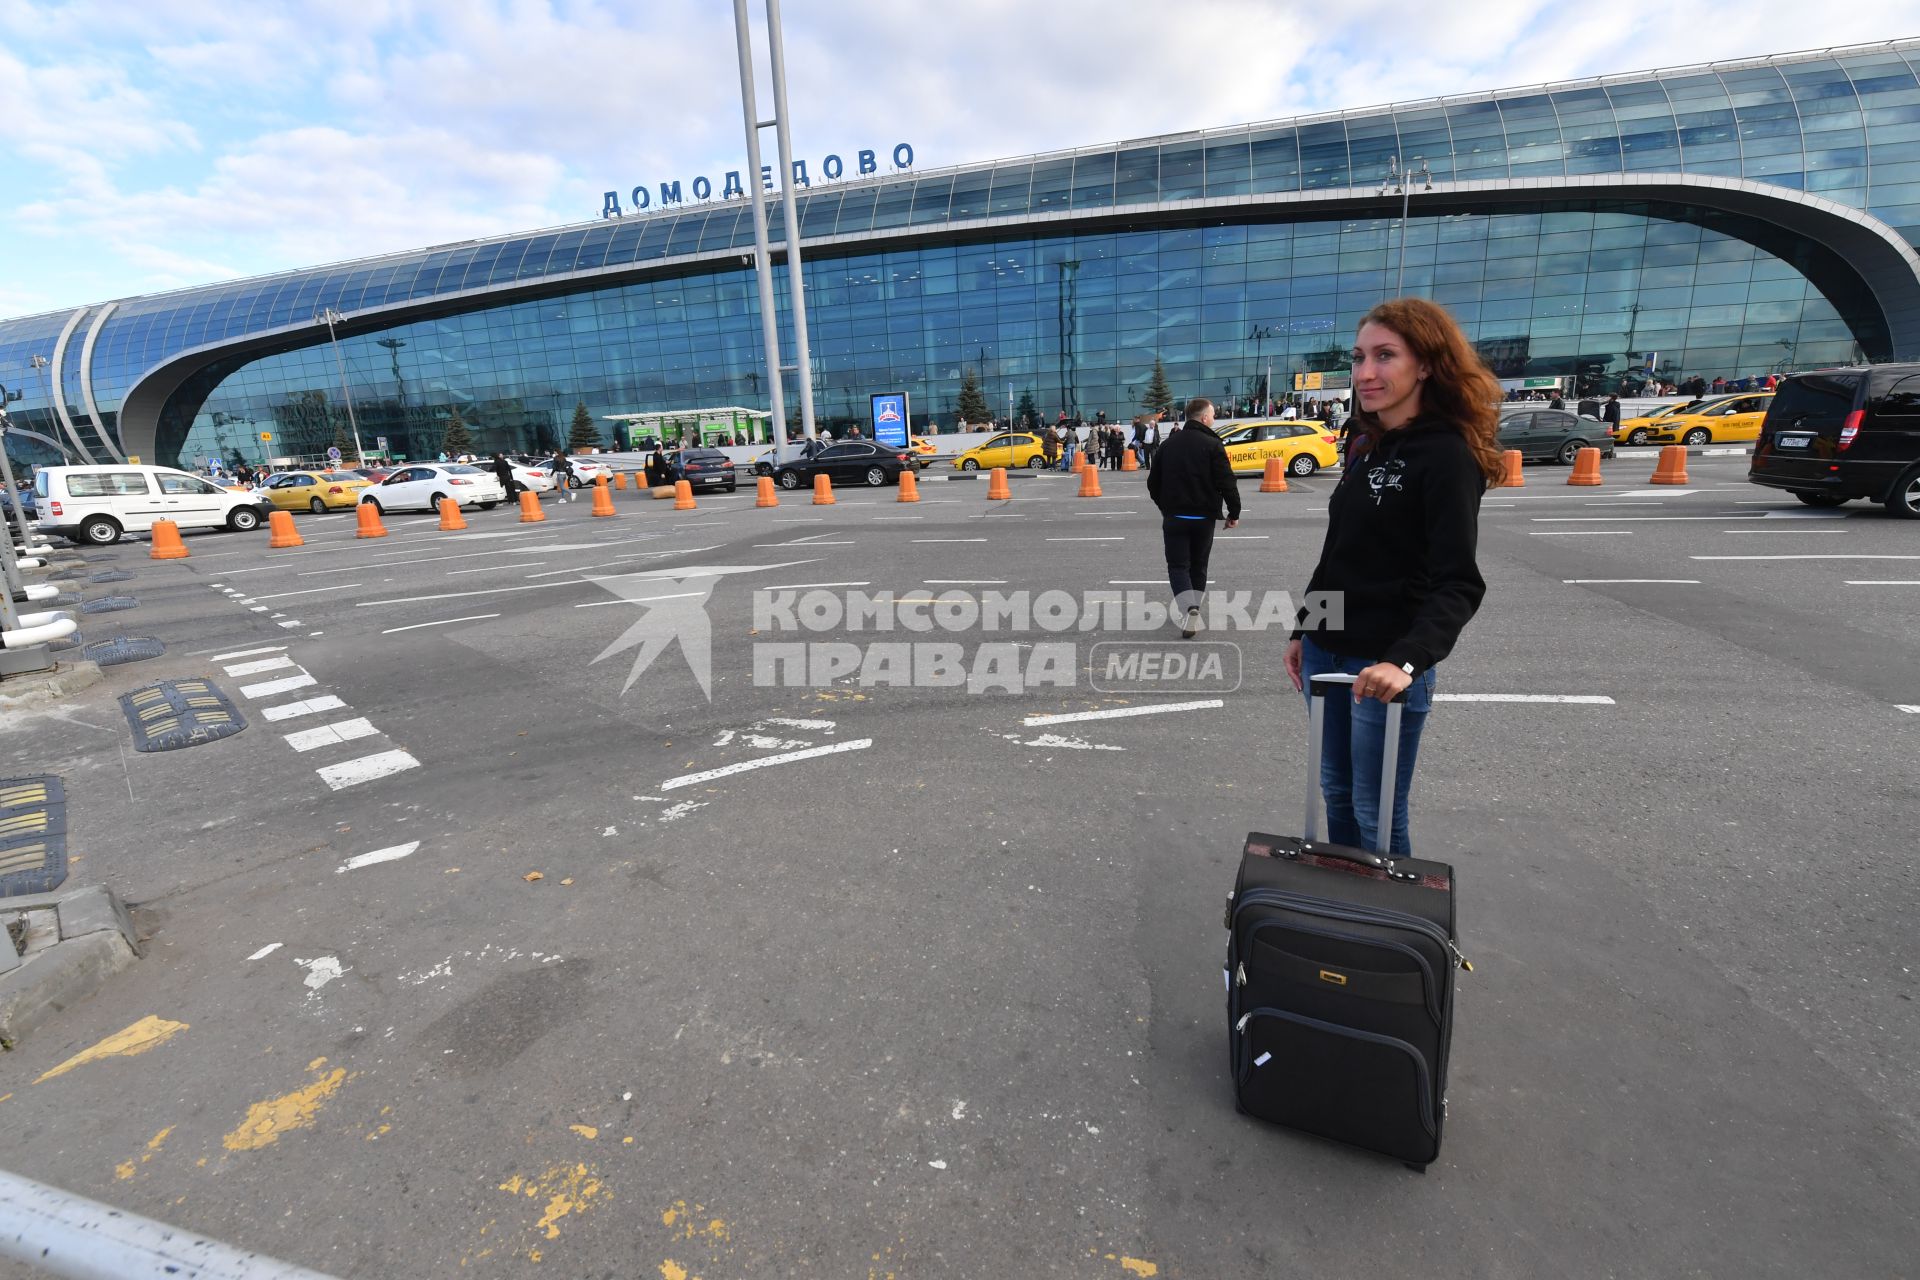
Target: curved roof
1799, 125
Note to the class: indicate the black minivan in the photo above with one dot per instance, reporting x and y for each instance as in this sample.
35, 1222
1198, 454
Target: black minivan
1848, 433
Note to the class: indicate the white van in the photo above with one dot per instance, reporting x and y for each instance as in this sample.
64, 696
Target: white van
98, 504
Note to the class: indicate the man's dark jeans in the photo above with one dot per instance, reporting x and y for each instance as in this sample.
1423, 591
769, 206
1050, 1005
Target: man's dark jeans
1189, 545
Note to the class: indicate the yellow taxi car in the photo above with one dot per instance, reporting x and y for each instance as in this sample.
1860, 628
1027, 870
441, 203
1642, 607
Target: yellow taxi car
1302, 447
1008, 449
1716, 421
922, 450
315, 491
1639, 430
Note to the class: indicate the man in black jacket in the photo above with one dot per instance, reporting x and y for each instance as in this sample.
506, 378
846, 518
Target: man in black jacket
1189, 481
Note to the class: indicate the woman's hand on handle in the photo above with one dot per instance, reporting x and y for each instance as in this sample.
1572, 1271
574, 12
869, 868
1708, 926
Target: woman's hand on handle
1293, 664
1383, 681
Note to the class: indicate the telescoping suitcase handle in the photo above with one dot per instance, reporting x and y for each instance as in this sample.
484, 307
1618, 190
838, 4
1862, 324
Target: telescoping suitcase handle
1320, 688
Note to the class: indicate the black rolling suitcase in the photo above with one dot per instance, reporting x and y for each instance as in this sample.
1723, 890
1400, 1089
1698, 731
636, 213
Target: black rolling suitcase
1340, 970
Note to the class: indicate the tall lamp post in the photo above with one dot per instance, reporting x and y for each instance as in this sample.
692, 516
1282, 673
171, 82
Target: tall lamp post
1261, 332
330, 318
46, 380
1400, 182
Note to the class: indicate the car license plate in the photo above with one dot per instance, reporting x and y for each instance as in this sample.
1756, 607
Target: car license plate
1792, 442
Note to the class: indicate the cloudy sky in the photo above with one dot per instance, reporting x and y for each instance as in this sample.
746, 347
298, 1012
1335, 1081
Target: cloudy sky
150, 144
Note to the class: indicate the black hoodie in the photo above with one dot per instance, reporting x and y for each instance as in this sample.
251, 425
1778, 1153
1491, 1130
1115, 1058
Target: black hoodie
1402, 526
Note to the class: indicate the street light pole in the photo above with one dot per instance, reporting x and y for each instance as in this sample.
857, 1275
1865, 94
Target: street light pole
46, 380
330, 318
1400, 182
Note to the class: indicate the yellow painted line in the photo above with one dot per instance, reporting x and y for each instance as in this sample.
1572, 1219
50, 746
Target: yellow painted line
267, 1120
148, 1033
586, 1131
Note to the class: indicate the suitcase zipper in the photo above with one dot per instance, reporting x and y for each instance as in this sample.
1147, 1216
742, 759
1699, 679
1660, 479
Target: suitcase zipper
1421, 1072
1426, 970
1356, 915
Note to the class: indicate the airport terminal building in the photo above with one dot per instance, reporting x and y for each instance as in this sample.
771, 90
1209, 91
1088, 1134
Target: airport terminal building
1731, 218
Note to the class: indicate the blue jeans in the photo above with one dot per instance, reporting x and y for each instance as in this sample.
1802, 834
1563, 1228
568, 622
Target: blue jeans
1350, 755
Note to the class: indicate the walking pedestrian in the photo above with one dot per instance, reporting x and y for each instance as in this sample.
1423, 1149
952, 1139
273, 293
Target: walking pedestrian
1399, 554
503, 471
1050, 448
1069, 441
562, 469
1190, 481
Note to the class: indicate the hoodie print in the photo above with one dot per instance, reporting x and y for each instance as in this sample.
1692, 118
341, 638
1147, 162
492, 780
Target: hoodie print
1388, 475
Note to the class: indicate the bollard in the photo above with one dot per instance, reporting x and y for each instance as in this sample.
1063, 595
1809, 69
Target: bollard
451, 521
1586, 467
602, 498
909, 487
1129, 460
166, 542
1089, 482
530, 512
822, 491
997, 490
766, 496
1274, 480
683, 496
619, 479
281, 531
1513, 479
369, 520
1672, 466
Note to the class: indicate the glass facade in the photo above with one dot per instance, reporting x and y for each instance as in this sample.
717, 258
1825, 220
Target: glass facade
913, 280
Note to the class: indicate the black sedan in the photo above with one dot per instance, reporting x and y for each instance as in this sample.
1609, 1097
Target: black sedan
704, 469
1553, 435
854, 462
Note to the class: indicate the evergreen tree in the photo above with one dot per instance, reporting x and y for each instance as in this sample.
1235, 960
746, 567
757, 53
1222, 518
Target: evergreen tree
973, 405
1028, 412
1159, 395
584, 434
456, 441
343, 441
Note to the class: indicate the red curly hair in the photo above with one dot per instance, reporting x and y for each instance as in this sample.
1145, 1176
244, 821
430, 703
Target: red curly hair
1459, 387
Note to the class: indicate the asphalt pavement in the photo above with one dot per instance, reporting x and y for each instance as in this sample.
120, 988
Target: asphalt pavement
869, 978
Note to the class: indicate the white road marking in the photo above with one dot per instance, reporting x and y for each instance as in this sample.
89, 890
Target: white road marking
792, 723
1241, 537
1794, 513
808, 544
292, 624
267, 688
1136, 582
1117, 713
287, 710
1621, 504
394, 854
320, 971
266, 951
595, 604
444, 622
1883, 582
949, 539
1580, 533
804, 586
1795, 532
1635, 519
1838, 555
899, 518
248, 653
258, 608
1577, 699
1675, 582
461, 595
282, 595
1118, 538
1071, 744
965, 582
263, 664
328, 734
1655, 493
1910, 710
366, 769
687, 780
494, 568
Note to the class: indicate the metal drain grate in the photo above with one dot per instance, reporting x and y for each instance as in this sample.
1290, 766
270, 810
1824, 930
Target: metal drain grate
111, 575
110, 604
180, 713
33, 835
111, 653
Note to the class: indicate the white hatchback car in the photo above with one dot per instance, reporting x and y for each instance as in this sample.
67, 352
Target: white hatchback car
422, 484
99, 503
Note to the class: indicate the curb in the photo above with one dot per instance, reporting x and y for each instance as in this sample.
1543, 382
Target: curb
1653, 451
76, 940
66, 679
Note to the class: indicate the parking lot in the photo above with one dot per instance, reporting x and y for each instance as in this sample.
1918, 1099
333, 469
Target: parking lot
879, 979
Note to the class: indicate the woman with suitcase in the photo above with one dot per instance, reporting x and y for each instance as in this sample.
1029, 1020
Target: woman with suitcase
1399, 555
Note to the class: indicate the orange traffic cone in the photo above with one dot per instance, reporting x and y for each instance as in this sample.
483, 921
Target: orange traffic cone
822, 491
619, 479
1129, 460
1672, 467
909, 487
451, 521
1586, 467
370, 526
767, 497
683, 496
997, 490
166, 542
280, 526
530, 512
1089, 483
602, 498
1275, 478
1513, 478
